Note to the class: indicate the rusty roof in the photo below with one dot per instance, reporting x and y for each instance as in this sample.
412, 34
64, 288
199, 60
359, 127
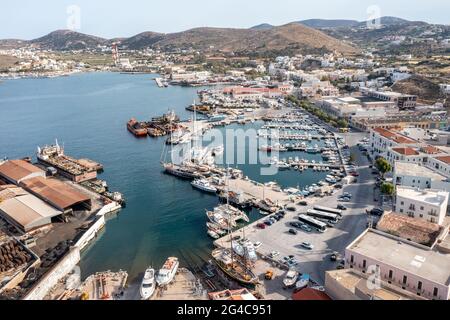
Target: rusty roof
58, 193
17, 169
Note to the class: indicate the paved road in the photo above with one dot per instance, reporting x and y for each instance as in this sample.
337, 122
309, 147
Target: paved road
316, 261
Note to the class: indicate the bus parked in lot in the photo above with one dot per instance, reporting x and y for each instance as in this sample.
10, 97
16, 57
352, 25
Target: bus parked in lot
331, 217
330, 210
318, 225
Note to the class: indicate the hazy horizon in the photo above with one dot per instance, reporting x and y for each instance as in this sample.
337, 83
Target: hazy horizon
27, 19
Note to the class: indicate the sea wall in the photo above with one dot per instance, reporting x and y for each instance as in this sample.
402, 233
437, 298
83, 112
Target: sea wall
70, 259
57, 272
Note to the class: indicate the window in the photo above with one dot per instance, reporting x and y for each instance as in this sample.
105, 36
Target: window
402, 203
391, 273
364, 263
352, 258
435, 292
419, 285
421, 208
405, 278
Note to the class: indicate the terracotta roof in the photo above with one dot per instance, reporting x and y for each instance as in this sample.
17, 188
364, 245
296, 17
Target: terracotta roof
310, 294
59, 194
393, 136
430, 150
445, 159
417, 230
17, 169
407, 151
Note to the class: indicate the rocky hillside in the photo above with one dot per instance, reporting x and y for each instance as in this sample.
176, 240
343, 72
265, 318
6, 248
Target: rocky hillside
67, 40
293, 36
426, 90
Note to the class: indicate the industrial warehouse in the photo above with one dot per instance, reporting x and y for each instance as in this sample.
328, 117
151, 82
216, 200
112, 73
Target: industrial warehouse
46, 219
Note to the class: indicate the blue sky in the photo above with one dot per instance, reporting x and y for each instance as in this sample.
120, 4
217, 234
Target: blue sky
27, 19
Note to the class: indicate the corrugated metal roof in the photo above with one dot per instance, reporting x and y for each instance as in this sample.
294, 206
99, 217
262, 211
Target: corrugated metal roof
18, 169
28, 211
58, 193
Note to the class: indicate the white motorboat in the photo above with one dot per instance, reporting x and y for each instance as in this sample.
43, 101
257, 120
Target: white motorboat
148, 284
204, 185
213, 234
167, 273
237, 248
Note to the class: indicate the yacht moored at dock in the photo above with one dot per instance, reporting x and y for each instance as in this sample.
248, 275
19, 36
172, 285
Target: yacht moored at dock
167, 273
204, 185
148, 284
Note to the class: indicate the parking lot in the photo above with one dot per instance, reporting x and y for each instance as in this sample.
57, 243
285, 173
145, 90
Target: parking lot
316, 261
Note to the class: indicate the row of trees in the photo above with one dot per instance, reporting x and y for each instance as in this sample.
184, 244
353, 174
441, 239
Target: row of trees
335, 122
383, 167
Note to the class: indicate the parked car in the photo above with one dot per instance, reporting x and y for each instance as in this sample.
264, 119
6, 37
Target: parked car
303, 203
290, 208
347, 194
341, 207
376, 212
335, 256
268, 222
293, 231
307, 245
304, 227
261, 225
296, 224
344, 199
274, 254
257, 244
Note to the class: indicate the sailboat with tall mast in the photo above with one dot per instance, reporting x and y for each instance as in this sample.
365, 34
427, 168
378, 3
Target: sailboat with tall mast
232, 264
178, 170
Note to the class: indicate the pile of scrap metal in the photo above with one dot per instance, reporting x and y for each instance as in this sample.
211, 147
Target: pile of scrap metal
13, 255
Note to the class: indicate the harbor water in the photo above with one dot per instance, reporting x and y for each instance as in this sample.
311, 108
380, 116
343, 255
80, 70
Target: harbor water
87, 113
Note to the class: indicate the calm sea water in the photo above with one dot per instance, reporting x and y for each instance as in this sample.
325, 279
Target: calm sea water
87, 113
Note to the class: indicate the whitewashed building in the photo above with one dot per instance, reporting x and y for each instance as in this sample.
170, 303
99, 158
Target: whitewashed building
426, 204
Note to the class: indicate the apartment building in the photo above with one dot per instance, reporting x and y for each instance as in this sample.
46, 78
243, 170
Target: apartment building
412, 267
425, 204
419, 176
382, 140
402, 101
317, 88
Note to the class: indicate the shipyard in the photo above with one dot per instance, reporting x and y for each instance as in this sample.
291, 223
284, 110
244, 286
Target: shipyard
48, 216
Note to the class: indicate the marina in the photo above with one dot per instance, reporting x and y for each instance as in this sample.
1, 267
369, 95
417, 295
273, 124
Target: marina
241, 189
